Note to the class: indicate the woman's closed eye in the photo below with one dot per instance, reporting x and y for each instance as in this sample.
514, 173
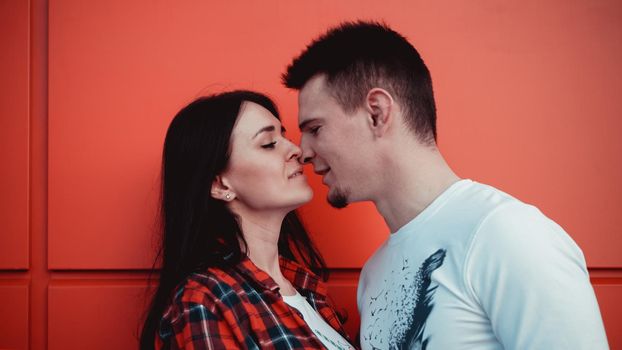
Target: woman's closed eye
269, 145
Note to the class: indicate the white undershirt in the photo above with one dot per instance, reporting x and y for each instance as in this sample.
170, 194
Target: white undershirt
327, 335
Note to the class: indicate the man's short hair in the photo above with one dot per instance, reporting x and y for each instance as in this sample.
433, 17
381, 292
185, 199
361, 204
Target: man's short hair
358, 56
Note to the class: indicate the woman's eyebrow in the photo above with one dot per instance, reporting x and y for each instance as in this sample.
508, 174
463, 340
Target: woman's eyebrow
269, 128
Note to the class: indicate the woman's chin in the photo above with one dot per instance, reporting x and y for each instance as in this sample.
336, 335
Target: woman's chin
309, 195
304, 198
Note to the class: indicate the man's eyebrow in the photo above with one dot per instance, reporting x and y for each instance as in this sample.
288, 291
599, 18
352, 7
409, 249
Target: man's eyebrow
269, 128
304, 124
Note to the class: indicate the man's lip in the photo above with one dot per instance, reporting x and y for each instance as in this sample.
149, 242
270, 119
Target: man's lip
322, 172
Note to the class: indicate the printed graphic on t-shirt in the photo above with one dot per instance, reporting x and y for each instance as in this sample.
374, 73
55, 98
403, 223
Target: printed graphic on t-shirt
407, 299
331, 343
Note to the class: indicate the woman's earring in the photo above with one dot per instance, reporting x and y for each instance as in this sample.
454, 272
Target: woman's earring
228, 196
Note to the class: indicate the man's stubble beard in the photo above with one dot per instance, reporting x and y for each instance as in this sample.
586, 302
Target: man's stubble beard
339, 198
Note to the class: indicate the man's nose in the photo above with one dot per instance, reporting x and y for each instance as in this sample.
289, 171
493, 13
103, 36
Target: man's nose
307, 153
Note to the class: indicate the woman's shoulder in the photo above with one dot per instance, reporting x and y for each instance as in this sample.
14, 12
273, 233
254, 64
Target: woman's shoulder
194, 299
211, 282
206, 289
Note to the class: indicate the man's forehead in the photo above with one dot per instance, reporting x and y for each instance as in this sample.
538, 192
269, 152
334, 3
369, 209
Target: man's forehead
315, 85
313, 96
310, 110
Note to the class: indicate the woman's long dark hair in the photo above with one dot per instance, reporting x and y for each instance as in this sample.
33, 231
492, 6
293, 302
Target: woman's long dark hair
199, 231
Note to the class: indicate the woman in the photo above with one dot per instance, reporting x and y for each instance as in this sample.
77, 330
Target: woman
236, 261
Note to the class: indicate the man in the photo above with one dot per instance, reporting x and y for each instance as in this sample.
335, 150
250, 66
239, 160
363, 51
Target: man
466, 266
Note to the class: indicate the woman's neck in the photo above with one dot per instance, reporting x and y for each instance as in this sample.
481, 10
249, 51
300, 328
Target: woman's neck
262, 240
261, 233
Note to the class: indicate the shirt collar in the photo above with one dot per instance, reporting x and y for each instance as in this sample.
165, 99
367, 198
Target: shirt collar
301, 278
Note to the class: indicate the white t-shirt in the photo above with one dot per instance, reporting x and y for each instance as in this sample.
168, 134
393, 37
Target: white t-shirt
331, 339
478, 269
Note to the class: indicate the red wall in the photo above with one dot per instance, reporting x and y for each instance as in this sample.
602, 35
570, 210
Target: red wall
528, 101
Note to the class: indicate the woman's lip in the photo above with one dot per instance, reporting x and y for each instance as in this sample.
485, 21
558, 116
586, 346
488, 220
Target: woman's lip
295, 174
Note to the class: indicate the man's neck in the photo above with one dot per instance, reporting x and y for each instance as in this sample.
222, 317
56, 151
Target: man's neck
415, 182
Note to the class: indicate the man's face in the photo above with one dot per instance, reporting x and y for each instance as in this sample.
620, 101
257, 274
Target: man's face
335, 142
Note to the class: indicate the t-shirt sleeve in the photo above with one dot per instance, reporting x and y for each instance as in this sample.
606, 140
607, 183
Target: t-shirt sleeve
531, 280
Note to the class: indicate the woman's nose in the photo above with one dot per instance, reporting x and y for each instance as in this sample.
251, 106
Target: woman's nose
295, 151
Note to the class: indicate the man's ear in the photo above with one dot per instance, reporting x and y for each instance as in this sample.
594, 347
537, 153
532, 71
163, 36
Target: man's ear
379, 105
221, 190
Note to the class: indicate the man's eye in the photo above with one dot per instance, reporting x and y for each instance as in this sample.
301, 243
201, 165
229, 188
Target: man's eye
314, 130
269, 145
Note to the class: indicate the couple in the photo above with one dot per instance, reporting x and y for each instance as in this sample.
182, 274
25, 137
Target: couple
466, 266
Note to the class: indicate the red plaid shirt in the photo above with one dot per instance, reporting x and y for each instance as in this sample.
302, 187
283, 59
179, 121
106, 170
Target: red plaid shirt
241, 307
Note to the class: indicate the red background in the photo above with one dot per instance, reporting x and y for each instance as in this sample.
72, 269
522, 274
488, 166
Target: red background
528, 99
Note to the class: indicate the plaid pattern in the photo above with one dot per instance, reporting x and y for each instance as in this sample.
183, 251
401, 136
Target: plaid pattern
241, 308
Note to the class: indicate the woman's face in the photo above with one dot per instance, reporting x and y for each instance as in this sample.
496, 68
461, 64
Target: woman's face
263, 171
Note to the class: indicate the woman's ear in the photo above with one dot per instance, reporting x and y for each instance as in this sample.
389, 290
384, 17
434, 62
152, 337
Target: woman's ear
379, 105
220, 190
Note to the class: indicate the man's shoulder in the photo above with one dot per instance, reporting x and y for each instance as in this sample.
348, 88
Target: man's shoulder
501, 215
484, 196
477, 202
464, 209
519, 232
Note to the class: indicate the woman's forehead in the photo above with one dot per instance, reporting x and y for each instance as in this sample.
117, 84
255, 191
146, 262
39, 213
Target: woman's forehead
252, 119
